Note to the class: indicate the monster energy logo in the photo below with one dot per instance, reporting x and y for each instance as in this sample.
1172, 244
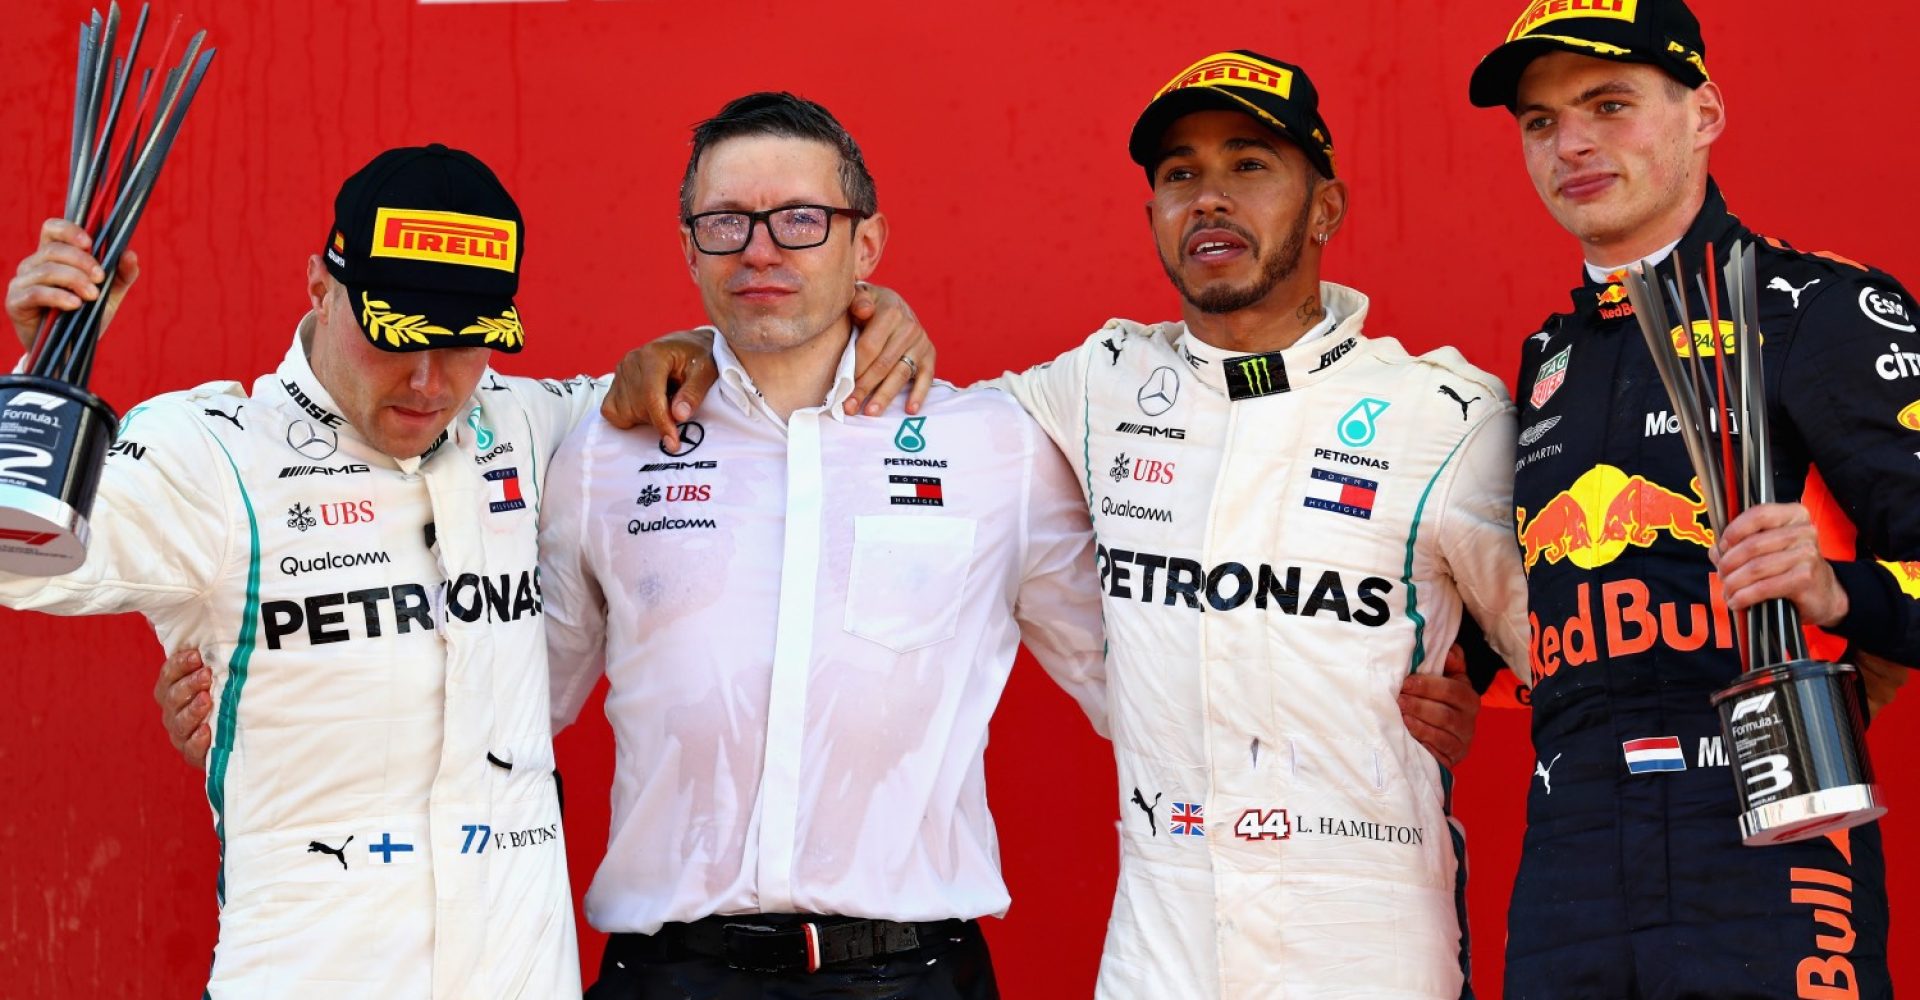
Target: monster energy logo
1255, 375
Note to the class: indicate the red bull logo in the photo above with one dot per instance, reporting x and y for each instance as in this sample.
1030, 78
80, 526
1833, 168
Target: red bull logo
1613, 294
1627, 621
1603, 512
1908, 576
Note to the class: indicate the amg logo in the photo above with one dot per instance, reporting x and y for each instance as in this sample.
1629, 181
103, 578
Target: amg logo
669, 466
295, 471
1171, 433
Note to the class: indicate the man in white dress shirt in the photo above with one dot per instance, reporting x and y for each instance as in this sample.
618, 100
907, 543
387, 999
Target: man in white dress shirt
799, 804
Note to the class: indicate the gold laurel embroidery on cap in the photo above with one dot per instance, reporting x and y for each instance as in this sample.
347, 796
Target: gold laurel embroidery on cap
399, 330
503, 330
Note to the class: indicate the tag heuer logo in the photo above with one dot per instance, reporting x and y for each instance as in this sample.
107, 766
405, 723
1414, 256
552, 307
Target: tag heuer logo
1552, 374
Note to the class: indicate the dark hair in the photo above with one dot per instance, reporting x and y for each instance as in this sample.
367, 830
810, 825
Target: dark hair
782, 114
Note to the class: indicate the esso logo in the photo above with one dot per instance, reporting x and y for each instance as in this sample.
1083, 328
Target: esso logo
347, 512
1886, 310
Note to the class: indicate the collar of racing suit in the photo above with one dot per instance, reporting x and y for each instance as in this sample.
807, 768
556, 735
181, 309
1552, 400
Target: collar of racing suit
294, 387
1318, 353
737, 388
1713, 225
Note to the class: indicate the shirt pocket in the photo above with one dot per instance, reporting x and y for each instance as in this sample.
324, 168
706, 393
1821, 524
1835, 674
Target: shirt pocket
906, 578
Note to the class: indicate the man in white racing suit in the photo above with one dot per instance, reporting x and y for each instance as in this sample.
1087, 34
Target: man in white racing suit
351, 548
1291, 517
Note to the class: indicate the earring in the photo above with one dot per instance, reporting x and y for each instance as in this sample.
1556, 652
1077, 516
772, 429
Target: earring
1322, 238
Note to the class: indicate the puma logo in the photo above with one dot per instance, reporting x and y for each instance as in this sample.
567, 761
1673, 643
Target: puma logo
1447, 390
1545, 771
1779, 284
316, 847
1543, 337
1111, 346
1141, 801
233, 418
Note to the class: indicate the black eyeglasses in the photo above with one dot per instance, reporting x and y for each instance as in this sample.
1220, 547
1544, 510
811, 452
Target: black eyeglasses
795, 227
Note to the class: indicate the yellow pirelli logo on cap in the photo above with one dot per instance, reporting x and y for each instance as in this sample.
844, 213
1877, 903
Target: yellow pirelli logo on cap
1231, 69
445, 238
1543, 11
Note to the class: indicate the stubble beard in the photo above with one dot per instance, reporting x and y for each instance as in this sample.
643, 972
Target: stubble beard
1275, 268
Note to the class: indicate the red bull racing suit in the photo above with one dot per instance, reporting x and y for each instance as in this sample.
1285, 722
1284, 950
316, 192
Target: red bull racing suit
1282, 539
1633, 881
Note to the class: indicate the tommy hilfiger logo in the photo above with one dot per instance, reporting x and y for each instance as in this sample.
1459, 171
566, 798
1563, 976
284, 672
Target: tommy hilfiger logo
509, 482
915, 491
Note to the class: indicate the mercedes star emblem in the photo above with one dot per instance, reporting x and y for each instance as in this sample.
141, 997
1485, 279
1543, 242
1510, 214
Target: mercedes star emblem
691, 434
1161, 389
317, 443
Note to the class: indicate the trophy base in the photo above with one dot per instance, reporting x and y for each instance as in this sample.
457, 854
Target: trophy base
1795, 736
1814, 814
39, 535
54, 438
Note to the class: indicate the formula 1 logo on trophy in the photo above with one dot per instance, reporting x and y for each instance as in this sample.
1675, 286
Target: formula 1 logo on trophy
1794, 727
54, 434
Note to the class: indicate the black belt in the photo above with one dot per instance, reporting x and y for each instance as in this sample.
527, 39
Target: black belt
758, 942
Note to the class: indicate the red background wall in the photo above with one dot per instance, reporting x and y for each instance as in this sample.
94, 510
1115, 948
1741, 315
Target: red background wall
997, 131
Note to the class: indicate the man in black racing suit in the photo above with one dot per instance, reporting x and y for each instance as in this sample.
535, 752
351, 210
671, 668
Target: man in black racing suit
1633, 881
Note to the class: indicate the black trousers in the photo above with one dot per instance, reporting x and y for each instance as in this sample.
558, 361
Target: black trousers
950, 967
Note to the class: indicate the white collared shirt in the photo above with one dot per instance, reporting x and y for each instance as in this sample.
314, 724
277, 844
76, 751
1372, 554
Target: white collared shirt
806, 627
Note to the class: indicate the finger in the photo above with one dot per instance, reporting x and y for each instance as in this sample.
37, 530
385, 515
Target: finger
57, 274
922, 382
863, 305
875, 354
33, 299
55, 231
1764, 556
889, 387
1442, 744
182, 722
126, 273
183, 691
1455, 664
71, 256
1766, 578
1764, 517
196, 747
691, 392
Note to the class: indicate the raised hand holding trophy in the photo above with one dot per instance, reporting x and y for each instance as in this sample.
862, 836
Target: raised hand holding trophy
54, 434
1794, 727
